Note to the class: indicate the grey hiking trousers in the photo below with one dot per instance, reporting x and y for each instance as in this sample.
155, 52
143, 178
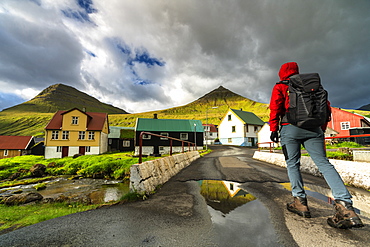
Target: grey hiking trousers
313, 140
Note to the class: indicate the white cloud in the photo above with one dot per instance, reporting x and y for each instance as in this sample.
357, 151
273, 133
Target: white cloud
146, 55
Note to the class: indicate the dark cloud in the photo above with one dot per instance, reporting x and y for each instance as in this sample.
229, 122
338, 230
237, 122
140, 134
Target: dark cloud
148, 55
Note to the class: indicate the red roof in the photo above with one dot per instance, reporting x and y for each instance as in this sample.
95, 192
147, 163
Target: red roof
15, 142
96, 120
212, 127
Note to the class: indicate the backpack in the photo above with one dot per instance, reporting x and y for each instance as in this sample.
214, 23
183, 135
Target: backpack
308, 101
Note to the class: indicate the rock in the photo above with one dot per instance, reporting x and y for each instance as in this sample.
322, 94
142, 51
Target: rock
51, 165
38, 170
14, 176
22, 199
345, 150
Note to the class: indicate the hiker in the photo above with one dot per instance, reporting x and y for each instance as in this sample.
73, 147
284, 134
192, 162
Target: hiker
312, 138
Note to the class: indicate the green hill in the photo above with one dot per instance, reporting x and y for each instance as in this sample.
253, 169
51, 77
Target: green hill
63, 97
212, 107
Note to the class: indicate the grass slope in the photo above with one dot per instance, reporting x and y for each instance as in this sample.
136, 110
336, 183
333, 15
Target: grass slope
33, 123
63, 97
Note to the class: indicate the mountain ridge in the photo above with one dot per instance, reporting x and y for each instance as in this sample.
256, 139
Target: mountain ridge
63, 97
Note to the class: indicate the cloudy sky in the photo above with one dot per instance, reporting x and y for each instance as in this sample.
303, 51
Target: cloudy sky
149, 55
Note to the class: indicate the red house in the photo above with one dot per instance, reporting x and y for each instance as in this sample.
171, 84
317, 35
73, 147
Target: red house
342, 121
11, 146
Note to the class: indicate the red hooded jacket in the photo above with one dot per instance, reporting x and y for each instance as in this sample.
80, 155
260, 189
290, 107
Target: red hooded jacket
279, 102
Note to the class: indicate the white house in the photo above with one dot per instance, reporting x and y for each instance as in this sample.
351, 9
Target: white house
210, 133
239, 128
264, 137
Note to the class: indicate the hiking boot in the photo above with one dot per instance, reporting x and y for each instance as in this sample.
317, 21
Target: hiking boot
299, 206
345, 216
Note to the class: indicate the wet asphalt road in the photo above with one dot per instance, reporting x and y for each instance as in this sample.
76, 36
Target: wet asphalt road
177, 215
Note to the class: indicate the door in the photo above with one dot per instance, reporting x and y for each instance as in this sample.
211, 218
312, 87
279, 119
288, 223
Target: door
65, 151
81, 150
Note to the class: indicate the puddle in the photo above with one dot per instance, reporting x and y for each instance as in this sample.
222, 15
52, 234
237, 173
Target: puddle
360, 198
237, 216
98, 190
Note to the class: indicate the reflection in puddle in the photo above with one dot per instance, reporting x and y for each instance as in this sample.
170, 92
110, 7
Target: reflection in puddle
98, 190
237, 216
360, 197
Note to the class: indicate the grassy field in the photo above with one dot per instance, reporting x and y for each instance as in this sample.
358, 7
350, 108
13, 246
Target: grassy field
114, 166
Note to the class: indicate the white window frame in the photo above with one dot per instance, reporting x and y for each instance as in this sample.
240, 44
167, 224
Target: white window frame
164, 134
91, 135
65, 135
233, 129
59, 149
147, 137
74, 120
81, 135
125, 143
345, 125
184, 136
87, 149
6, 152
229, 117
55, 135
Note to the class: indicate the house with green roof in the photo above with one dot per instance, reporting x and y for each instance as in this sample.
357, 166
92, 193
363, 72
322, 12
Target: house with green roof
121, 139
239, 128
182, 129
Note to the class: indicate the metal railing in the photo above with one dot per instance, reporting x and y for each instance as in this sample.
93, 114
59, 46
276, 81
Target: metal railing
326, 138
167, 137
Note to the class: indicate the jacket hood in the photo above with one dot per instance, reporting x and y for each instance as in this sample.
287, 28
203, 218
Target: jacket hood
287, 70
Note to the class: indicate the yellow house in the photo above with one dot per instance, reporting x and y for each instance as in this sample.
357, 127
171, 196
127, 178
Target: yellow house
76, 132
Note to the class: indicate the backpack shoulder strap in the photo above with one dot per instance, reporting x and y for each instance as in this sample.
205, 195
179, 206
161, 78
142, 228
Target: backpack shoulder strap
286, 82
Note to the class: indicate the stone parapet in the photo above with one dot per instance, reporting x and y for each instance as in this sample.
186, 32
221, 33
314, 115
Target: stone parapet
145, 177
356, 174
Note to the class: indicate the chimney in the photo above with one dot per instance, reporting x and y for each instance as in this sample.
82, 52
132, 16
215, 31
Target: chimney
155, 116
84, 109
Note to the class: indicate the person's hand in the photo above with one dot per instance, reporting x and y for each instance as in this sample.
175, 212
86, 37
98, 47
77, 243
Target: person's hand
274, 136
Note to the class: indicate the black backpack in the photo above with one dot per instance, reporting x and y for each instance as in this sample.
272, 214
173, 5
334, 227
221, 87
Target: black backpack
308, 101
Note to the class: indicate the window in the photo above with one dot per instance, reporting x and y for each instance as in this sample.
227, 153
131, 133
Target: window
231, 186
87, 149
59, 149
65, 135
91, 135
229, 140
146, 136
55, 135
164, 134
75, 120
125, 143
6, 152
255, 129
246, 128
229, 117
183, 136
81, 135
233, 129
344, 125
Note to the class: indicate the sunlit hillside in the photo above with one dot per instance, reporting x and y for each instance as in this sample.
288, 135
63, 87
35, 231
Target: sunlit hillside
210, 108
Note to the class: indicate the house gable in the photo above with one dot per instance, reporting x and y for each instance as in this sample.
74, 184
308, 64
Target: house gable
342, 121
239, 128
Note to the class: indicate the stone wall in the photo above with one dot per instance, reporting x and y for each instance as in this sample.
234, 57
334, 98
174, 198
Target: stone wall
361, 156
356, 174
145, 177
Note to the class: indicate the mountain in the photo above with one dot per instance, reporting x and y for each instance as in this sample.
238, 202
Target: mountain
364, 108
63, 97
210, 108
29, 118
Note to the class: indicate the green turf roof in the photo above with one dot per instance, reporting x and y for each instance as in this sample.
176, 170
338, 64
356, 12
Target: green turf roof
171, 125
